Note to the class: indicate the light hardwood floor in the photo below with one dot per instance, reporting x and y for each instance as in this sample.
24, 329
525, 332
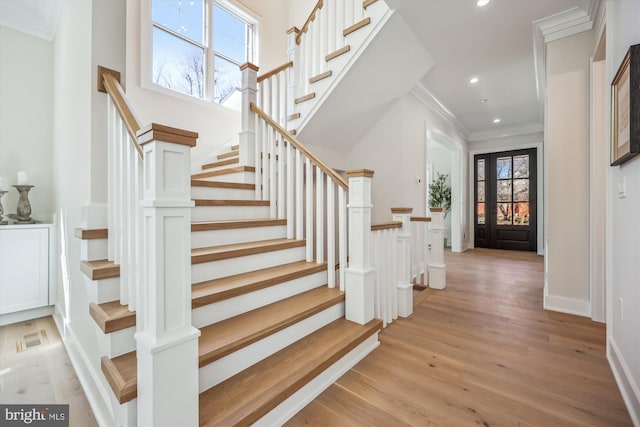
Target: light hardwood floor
40, 374
482, 352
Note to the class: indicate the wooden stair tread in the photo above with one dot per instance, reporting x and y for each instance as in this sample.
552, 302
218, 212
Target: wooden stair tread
112, 316
368, 3
233, 224
226, 171
100, 269
235, 147
228, 154
91, 233
207, 202
320, 76
121, 373
293, 116
246, 397
337, 53
305, 98
355, 27
225, 162
212, 291
215, 253
225, 337
221, 184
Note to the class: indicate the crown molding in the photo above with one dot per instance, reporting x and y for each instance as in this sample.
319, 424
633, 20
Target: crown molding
506, 132
555, 27
35, 18
427, 98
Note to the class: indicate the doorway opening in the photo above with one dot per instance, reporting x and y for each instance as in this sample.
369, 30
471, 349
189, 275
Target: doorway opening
505, 200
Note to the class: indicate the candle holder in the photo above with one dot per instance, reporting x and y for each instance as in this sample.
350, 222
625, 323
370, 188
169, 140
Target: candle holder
24, 207
2, 193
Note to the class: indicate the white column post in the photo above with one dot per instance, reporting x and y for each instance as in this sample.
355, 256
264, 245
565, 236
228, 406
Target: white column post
167, 343
403, 263
437, 267
359, 276
248, 122
293, 73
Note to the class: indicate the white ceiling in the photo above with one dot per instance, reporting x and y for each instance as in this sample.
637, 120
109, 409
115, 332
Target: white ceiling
494, 43
35, 17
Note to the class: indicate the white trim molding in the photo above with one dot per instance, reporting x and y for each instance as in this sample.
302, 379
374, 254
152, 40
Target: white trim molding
427, 98
506, 132
575, 306
38, 19
555, 27
628, 388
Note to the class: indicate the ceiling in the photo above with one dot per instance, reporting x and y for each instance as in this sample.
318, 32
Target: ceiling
496, 44
35, 17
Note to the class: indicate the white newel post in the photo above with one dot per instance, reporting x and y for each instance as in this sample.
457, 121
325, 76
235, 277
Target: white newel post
437, 267
359, 276
248, 123
167, 343
403, 262
293, 73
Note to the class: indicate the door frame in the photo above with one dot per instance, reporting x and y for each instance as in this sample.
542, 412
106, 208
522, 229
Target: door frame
539, 146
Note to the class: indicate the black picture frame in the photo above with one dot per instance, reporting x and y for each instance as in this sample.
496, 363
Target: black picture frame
625, 108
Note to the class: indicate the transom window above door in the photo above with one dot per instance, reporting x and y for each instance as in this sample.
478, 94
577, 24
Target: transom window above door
199, 45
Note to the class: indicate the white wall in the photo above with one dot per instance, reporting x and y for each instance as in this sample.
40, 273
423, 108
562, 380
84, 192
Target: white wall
26, 125
395, 149
567, 174
623, 229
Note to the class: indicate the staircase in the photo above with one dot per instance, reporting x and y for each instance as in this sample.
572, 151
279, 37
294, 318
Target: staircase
270, 326
268, 266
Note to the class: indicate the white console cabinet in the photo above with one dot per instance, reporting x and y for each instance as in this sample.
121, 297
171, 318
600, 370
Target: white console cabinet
24, 267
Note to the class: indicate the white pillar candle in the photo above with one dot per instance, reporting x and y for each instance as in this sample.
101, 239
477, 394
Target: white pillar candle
22, 178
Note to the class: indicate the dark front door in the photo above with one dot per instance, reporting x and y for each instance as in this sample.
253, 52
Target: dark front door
505, 200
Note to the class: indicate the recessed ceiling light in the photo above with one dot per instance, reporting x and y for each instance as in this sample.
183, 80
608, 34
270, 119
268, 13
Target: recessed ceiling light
474, 80
484, 100
496, 120
483, 3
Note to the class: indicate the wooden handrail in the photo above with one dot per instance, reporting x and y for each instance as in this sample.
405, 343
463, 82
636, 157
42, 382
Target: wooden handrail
420, 219
386, 225
275, 71
131, 121
312, 17
297, 144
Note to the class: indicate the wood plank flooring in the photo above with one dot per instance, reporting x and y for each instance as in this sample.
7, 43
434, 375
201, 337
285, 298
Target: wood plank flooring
482, 352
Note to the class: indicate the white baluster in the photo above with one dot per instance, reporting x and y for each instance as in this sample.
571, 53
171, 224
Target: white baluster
280, 161
273, 197
293, 73
319, 216
340, 25
259, 126
309, 207
342, 235
290, 192
331, 27
111, 142
331, 233
348, 13
299, 197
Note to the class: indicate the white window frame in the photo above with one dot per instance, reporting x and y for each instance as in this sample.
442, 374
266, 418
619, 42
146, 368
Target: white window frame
146, 48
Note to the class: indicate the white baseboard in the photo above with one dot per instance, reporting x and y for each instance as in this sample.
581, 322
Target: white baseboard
628, 388
21, 316
566, 305
287, 409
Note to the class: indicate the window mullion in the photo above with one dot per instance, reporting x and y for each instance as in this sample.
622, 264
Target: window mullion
178, 35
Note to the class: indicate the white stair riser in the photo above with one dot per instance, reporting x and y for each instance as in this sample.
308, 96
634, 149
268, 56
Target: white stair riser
229, 267
116, 343
222, 193
101, 291
203, 239
217, 213
91, 250
212, 313
228, 366
241, 177
301, 398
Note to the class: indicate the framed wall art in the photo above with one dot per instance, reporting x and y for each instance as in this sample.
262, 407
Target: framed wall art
625, 108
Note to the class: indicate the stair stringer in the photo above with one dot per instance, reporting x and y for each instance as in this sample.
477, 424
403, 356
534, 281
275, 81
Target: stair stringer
379, 12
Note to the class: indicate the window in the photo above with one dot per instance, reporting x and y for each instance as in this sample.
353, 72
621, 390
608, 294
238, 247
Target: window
199, 45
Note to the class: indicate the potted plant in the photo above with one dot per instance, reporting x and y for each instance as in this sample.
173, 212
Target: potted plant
440, 194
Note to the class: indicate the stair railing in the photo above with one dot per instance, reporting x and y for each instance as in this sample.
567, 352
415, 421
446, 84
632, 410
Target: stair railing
272, 92
149, 229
